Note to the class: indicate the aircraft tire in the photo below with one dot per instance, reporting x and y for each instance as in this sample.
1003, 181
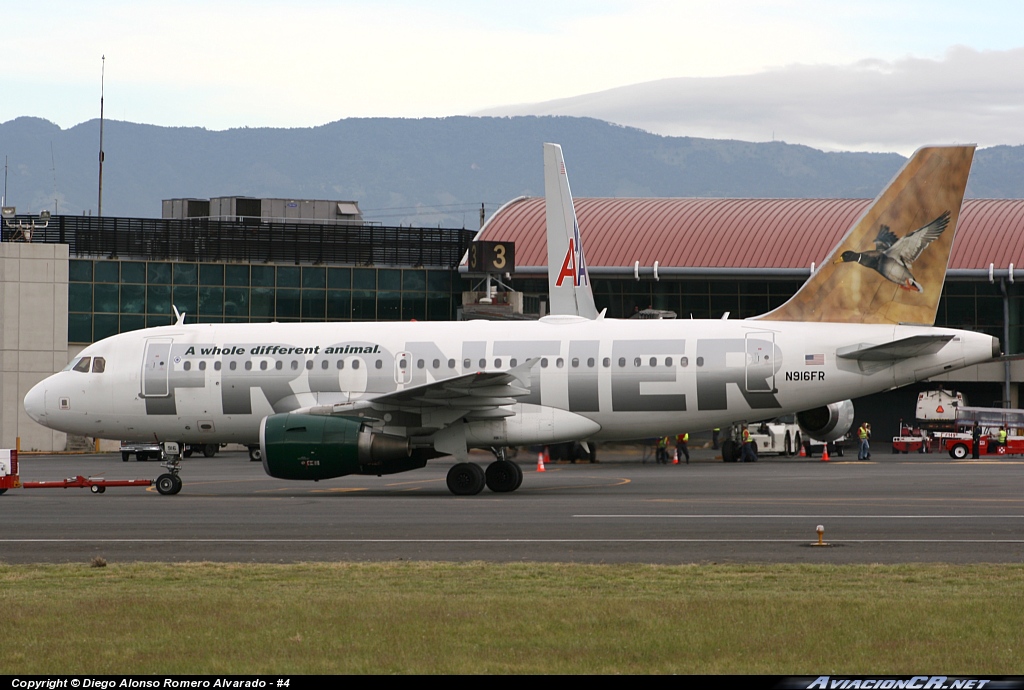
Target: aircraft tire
728, 451
255, 454
519, 473
959, 451
209, 450
177, 484
501, 476
165, 484
466, 479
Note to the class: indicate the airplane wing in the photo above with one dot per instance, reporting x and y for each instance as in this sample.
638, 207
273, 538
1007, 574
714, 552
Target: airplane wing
430, 406
914, 346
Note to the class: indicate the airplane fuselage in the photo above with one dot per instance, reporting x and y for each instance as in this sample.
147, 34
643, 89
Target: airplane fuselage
590, 379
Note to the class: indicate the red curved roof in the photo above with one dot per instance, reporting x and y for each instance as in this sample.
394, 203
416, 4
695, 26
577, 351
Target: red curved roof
740, 233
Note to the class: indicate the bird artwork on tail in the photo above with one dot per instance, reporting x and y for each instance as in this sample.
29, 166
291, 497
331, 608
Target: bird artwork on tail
893, 256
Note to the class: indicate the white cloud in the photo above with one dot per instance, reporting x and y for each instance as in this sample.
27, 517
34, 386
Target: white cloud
872, 105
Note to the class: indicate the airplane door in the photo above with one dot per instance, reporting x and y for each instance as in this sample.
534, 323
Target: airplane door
403, 367
155, 367
761, 355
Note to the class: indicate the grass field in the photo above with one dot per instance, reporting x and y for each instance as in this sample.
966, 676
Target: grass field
414, 617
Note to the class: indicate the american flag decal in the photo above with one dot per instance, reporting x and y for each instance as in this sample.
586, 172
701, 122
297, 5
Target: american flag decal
561, 168
814, 360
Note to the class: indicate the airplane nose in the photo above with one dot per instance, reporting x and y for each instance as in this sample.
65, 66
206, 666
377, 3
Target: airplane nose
35, 402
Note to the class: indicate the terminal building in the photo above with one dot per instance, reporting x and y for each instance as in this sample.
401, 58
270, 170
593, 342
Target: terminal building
69, 281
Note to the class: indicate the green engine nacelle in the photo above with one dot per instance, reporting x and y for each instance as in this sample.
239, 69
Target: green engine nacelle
306, 446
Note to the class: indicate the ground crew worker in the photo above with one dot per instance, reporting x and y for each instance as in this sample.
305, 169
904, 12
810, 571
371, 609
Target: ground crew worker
681, 447
1002, 437
864, 449
661, 457
748, 453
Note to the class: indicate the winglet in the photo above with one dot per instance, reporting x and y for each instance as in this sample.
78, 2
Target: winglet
902, 244
568, 280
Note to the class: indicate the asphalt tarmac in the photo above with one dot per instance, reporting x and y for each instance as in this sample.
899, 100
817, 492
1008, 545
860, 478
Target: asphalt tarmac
892, 509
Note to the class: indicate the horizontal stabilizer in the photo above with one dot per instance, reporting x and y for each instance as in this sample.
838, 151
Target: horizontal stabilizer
914, 346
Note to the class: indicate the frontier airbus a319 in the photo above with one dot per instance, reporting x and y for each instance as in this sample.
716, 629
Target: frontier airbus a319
326, 400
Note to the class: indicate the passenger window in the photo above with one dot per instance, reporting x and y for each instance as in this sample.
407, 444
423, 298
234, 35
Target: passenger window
465, 363
263, 365
436, 363
544, 362
187, 366
497, 364
279, 365
341, 364
512, 362
559, 362
202, 366
622, 361
99, 365
324, 364
606, 362
684, 361
575, 362
355, 363
233, 365
309, 364
451, 363
83, 364
216, 365
378, 364
668, 361
636, 361
654, 361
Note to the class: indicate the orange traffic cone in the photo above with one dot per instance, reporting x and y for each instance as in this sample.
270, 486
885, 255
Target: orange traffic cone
824, 453
803, 451
540, 461
675, 458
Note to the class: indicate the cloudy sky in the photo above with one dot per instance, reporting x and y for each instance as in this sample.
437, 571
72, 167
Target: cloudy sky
864, 75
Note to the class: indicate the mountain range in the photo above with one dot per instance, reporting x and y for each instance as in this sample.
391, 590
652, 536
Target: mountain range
433, 171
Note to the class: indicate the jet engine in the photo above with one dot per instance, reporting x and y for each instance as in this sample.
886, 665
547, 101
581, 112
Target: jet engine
828, 423
305, 446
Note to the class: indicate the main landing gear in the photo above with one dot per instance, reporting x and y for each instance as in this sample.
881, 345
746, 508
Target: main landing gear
502, 476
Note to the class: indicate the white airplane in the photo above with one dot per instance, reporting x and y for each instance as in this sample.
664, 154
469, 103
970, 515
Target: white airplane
325, 400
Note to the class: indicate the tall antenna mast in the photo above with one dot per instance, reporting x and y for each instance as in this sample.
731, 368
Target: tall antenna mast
99, 200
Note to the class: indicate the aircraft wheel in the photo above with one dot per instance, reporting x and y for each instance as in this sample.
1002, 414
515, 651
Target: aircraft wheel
166, 483
466, 479
501, 476
519, 473
255, 454
959, 451
728, 451
125, 456
97, 489
209, 450
177, 484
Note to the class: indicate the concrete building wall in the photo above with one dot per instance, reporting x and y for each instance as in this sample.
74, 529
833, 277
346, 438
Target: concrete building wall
33, 335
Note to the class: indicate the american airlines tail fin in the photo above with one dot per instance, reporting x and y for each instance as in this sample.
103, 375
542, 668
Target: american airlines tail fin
568, 280
890, 266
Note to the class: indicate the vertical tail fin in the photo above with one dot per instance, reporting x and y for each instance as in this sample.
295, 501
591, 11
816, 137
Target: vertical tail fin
568, 280
902, 244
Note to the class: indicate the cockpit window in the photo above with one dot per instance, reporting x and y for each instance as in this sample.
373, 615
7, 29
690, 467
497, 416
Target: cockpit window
82, 364
99, 365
